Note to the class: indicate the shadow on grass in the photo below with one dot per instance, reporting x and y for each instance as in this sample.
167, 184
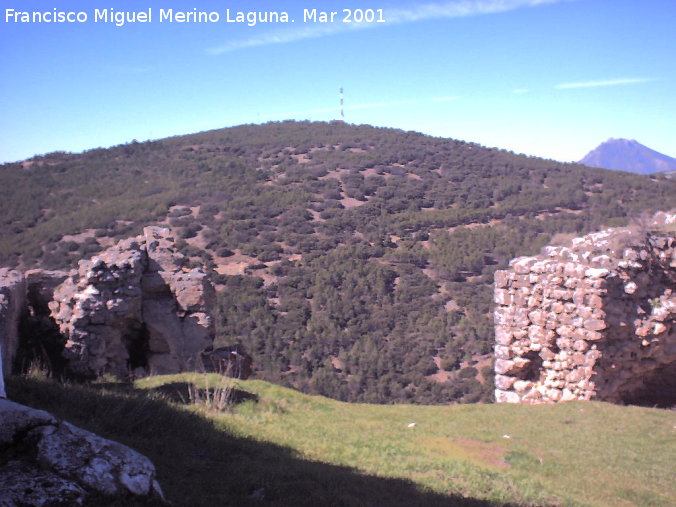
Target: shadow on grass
199, 464
175, 392
179, 392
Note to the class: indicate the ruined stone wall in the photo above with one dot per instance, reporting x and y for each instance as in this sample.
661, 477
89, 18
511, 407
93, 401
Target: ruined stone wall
136, 305
594, 320
12, 300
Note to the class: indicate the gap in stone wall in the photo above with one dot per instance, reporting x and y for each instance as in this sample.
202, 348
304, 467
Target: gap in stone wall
40, 342
658, 389
138, 348
533, 369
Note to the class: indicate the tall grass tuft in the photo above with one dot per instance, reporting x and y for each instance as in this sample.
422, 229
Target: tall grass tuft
216, 398
39, 369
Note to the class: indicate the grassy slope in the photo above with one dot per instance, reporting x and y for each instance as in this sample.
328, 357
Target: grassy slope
310, 450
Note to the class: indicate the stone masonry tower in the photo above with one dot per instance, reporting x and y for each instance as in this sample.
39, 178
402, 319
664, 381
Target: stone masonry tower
595, 320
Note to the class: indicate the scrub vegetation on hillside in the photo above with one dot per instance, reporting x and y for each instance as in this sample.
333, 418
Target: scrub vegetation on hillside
351, 261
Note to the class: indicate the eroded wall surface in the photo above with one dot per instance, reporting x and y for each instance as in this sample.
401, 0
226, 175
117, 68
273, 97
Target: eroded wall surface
12, 299
135, 306
593, 320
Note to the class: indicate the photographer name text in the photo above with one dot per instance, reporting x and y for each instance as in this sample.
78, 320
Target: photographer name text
152, 15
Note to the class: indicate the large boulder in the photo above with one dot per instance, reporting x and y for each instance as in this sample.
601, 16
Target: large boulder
47, 461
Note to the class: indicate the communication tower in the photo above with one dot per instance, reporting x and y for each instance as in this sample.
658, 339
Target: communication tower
342, 110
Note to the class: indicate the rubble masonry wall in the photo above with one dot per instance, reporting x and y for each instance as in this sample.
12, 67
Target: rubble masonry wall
591, 321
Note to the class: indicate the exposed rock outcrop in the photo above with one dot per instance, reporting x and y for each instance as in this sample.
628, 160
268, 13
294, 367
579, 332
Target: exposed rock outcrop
595, 320
46, 461
135, 307
12, 302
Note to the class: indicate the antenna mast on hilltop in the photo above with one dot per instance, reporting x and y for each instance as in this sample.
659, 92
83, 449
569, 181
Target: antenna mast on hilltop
342, 110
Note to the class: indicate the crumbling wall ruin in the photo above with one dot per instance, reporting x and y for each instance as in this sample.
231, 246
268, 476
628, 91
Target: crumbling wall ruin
594, 320
134, 308
12, 300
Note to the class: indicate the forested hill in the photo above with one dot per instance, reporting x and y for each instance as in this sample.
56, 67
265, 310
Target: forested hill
352, 261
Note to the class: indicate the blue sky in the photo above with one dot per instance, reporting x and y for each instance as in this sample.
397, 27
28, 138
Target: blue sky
551, 78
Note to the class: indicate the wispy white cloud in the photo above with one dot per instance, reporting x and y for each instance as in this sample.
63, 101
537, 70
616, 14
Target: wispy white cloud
283, 37
378, 105
605, 82
424, 12
443, 99
127, 69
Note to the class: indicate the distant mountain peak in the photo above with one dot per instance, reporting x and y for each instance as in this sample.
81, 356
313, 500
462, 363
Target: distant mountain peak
628, 155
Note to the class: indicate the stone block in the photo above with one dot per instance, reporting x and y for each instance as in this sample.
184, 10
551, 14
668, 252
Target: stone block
576, 376
501, 278
565, 331
567, 395
593, 336
520, 318
537, 334
579, 296
520, 386
595, 324
547, 354
522, 265
591, 357
564, 343
596, 273
659, 328
506, 396
504, 382
534, 301
502, 297
571, 283
503, 336
580, 345
538, 317
557, 307
503, 352
503, 366
554, 394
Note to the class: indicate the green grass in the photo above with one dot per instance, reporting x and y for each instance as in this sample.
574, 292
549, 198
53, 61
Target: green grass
309, 450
